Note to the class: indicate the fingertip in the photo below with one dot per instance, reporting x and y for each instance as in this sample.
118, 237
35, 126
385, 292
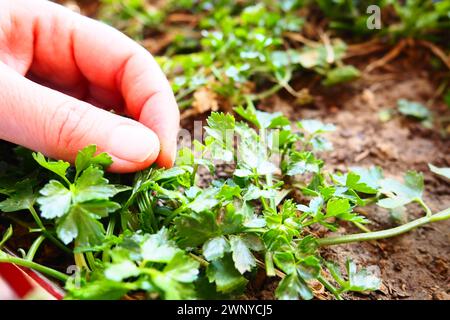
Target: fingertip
133, 147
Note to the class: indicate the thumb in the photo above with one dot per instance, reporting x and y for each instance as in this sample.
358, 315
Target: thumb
58, 125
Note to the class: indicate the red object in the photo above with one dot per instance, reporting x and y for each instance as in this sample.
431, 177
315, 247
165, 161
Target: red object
22, 283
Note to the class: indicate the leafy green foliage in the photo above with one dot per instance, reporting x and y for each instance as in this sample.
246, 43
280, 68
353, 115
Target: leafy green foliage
234, 49
170, 236
358, 281
400, 194
414, 109
78, 206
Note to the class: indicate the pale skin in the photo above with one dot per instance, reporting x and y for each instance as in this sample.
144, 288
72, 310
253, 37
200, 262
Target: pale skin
62, 73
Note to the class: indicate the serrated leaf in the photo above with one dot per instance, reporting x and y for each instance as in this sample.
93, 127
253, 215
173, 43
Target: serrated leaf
262, 120
223, 273
182, 268
242, 256
58, 167
215, 248
361, 280
158, 247
302, 162
55, 200
292, 287
123, 270
82, 225
342, 209
20, 197
313, 126
91, 185
86, 157
196, 228
400, 194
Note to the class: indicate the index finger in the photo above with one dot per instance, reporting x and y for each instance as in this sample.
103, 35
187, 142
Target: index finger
69, 47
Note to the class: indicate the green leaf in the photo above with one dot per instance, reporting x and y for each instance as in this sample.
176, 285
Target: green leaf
215, 248
21, 197
315, 126
58, 167
413, 109
444, 172
55, 200
361, 280
242, 256
86, 158
205, 200
399, 194
91, 185
79, 223
358, 281
158, 247
342, 209
121, 271
369, 177
195, 229
368, 182
292, 287
302, 162
182, 268
103, 289
225, 275
340, 75
285, 261
262, 120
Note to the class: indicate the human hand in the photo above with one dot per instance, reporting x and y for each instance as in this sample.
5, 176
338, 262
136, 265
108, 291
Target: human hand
59, 74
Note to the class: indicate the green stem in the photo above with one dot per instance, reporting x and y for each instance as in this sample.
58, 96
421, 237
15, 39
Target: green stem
330, 287
442, 215
34, 248
44, 231
424, 206
202, 261
35, 266
91, 260
361, 226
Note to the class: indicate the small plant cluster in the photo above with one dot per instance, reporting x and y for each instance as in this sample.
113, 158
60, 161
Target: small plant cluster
173, 235
411, 18
222, 52
237, 49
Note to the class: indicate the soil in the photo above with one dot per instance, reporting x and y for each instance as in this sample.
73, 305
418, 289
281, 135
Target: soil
415, 265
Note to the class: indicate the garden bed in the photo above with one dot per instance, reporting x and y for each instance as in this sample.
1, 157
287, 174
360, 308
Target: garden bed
371, 130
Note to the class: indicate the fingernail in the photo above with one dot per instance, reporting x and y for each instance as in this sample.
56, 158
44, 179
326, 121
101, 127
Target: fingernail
133, 143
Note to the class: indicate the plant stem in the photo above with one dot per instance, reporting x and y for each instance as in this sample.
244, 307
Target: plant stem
34, 248
361, 226
442, 215
202, 261
80, 261
424, 206
91, 260
35, 266
47, 234
329, 286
